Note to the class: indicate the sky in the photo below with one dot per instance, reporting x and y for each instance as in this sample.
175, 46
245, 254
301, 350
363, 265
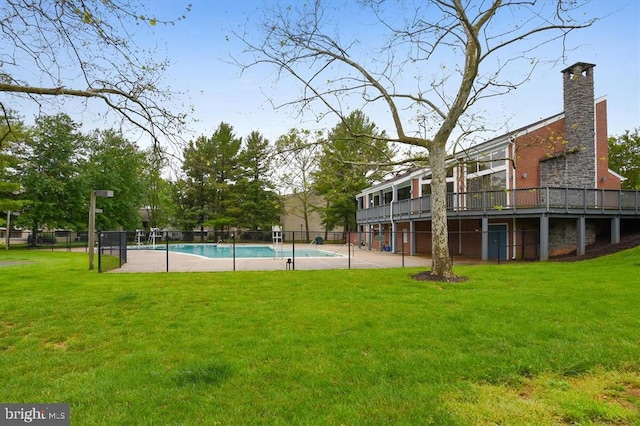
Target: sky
200, 47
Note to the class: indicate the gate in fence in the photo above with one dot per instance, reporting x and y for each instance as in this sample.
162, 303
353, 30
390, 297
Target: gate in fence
113, 243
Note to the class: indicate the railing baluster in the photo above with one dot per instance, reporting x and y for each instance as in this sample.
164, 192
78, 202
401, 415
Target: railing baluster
485, 201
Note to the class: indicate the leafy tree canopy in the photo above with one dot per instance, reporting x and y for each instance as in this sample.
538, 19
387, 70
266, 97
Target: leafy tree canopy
624, 157
116, 164
349, 164
10, 134
51, 161
211, 166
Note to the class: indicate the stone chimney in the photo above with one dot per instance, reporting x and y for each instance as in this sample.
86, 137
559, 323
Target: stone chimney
579, 124
575, 165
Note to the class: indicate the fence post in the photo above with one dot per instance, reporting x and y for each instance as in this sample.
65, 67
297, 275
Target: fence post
123, 248
402, 241
547, 198
620, 202
166, 250
349, 248
99, 252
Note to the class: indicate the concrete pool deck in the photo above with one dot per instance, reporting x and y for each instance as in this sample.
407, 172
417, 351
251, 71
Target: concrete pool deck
156, 261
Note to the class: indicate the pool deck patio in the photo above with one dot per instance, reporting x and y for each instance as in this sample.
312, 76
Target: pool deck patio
156, 261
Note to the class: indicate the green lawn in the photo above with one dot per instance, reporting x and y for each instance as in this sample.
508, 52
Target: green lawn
526, 343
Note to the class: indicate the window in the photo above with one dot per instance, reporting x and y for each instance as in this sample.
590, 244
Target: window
499, 180
387, 197
475, 184
494, 160
426, 188
472, 167
484, 163
404, 193
488, 173
498, 158
489, 182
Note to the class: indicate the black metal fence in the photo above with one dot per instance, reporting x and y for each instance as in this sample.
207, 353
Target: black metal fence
171, 250
234, 249
112, 244
54, 240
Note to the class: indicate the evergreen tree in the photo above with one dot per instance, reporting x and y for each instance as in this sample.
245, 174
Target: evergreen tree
183, 216
51, 163
349, 164
255, 203
211, 168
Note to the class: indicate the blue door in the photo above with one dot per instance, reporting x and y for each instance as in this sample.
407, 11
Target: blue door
498, 242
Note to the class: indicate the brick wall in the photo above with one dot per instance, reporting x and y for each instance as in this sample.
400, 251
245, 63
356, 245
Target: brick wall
539, 144
605, 180
570, 150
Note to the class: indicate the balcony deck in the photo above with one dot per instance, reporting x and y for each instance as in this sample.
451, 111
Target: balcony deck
522, 202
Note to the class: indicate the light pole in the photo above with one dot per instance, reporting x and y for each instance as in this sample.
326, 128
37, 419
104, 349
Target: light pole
92, 219
8, 233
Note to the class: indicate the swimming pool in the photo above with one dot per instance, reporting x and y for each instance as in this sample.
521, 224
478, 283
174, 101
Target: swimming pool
225, 251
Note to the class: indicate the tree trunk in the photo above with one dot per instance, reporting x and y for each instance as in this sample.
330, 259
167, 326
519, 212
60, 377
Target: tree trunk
306, 227
34, 234
440, 259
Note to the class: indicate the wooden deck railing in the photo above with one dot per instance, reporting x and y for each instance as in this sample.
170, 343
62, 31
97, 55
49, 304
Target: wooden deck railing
545, 199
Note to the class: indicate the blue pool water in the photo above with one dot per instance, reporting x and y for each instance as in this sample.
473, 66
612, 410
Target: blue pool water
225, 251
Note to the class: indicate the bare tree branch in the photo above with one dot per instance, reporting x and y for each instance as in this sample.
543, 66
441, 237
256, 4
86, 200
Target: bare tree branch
86, 49
462, 45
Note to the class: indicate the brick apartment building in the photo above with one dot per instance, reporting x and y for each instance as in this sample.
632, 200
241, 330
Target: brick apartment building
539, 191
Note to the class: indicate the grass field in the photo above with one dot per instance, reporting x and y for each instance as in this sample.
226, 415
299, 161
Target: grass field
522, 343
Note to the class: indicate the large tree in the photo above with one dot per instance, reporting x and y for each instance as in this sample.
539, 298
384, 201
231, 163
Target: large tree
211, 168
298, 152
157, 195
624, 157
348, 164
11, 131
182, 215
86, 50
52, 159
434, 61
116, 164
255, 205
